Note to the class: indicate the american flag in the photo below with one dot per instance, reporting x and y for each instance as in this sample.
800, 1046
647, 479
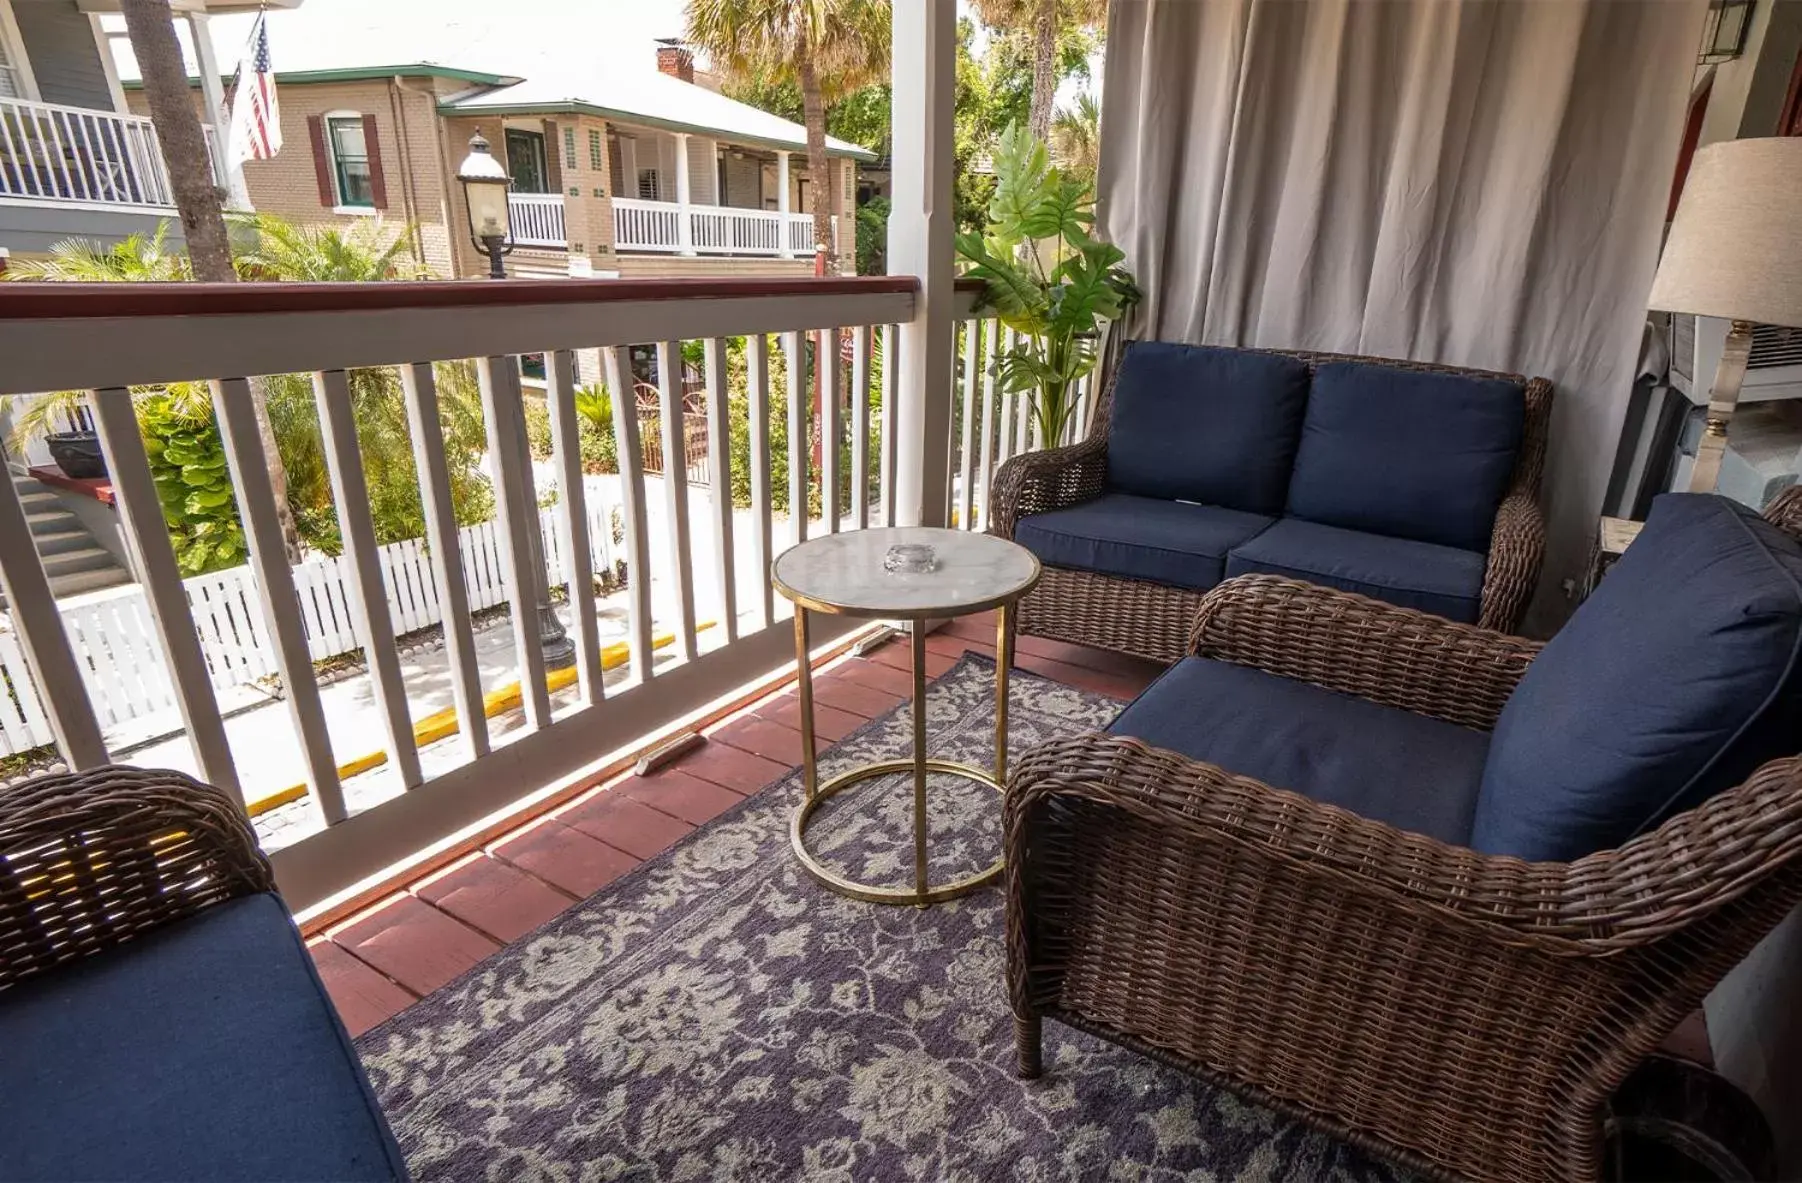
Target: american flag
256, 127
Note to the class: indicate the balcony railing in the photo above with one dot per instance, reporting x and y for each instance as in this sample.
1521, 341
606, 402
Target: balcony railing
74, 154
537, 219
710, 229
694, 562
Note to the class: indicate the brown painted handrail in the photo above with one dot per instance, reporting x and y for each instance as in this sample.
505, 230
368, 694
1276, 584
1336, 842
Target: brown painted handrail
41, 301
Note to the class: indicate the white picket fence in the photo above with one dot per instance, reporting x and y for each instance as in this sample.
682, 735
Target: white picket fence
115, 639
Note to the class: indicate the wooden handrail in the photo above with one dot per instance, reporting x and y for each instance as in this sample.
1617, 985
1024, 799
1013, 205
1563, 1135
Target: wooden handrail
43, 301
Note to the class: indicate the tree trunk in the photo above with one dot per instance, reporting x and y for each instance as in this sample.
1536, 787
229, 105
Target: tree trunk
151, 27
819, 168
1044, 69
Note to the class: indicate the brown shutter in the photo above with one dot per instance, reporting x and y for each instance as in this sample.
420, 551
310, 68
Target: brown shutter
372, 144
322, 161
553, 156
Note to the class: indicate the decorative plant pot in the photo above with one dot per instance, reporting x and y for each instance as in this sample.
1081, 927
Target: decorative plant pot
77, 453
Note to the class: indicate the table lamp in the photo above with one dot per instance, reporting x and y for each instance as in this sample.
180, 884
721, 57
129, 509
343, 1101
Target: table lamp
1735, 252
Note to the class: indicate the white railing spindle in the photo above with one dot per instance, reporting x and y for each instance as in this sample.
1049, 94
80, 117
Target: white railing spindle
673, 422
827, 363
578, 557
369, 597
795, 354
719, 464
519, 514
991, 335
891, 371
966, 458
637, 531
757, 381
275, 583
860, 425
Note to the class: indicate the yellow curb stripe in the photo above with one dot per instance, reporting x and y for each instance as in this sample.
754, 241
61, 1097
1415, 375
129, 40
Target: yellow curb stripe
442, 724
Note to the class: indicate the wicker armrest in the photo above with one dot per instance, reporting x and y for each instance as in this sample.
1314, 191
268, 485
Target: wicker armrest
91, 859
1516, 548
1035, 482
1357, 645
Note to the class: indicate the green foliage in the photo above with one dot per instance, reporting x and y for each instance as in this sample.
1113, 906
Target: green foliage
872, 237
1045, 276
133, 259
275, 248
187, 463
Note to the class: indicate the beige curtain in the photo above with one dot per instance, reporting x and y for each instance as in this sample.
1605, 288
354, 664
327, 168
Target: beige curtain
1481, 182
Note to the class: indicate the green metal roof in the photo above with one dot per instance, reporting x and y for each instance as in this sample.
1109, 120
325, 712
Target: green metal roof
369, 73
476, 106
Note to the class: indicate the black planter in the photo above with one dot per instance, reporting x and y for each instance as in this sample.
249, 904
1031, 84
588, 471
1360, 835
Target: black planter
77, 453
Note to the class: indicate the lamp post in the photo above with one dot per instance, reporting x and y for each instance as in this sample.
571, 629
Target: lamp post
485, 185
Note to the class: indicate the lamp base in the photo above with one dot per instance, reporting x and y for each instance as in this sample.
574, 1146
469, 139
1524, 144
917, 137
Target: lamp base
1723, 398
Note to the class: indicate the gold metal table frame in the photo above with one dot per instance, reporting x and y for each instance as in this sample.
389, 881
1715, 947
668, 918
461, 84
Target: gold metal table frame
815, 794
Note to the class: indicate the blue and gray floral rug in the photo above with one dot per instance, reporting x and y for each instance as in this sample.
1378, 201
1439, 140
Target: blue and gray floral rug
717, 1015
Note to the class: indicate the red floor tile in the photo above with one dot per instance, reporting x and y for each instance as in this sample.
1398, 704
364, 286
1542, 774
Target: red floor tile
896, 654
829, 723
624, 823
878, 675
760, 737
363, 997
565, 857
847, 694
414, 943
728, 767
495, 897
676, 793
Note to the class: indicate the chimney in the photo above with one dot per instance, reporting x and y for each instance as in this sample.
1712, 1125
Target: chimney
674, 60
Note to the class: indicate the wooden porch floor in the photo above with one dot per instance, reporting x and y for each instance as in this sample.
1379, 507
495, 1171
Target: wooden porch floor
380, 961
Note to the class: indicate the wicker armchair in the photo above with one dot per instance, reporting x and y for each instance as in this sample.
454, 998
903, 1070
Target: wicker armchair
1465, 1014
1152, 620
93, 859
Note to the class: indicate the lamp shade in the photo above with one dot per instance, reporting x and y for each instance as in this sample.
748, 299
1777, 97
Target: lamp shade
1735, 248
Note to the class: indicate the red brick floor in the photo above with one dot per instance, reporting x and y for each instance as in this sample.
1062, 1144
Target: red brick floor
382, 960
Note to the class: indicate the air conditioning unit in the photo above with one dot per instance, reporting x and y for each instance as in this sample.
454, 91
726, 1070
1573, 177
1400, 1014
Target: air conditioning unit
1774, 372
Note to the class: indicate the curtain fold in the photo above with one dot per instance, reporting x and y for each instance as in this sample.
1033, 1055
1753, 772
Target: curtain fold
1479, 182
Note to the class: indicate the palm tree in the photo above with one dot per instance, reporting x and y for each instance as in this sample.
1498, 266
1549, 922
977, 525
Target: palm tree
1076, 138
827, 48
276, 248
151, 28
1044, 21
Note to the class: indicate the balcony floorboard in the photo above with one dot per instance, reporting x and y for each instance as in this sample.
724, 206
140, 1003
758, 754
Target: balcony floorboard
379, 962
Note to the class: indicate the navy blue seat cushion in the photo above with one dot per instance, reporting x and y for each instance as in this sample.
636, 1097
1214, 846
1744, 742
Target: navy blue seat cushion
1198, 423
1392, 766
1170, 542
203, 1050
1407, 454
1442, 580
1676, 678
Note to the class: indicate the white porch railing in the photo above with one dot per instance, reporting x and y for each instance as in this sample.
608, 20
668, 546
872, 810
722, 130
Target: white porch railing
74, 154
682, 575
712, 229
537, 219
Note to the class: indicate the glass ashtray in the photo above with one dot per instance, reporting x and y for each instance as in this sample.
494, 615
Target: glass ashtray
910, 558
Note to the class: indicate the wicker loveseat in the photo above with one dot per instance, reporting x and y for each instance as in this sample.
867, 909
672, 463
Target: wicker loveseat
160, 1017
1410, 482
1373, 953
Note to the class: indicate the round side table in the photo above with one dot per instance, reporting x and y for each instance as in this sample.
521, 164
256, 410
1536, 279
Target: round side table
844, 574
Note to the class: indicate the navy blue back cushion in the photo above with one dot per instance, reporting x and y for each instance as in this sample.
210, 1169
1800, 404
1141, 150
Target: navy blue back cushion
1200, 423
1679, 675
1407, 453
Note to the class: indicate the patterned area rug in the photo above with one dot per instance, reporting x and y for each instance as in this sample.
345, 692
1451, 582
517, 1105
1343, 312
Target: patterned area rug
717, 1015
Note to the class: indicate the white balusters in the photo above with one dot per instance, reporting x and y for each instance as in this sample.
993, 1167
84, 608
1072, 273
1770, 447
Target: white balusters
578, 558
637, 529
966, 398
986, 478
860, 426
757, 380
891, 372
719, 465
826, 377
673, 421
795, 356
501, 408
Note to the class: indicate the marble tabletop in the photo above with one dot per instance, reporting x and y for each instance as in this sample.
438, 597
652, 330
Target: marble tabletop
843, 573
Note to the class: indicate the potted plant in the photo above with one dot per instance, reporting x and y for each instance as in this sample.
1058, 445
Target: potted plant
1046, 278
60, 421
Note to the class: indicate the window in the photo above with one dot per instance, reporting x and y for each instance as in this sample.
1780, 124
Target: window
525, 161
569, 148
15, 75
648, 188
597, 159
350, 160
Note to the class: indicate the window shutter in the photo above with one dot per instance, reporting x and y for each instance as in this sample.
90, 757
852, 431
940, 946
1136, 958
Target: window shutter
378, 186
553, 159
322, 162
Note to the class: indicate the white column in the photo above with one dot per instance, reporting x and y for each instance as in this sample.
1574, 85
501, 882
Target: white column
920, 244
782, 199
685, 231
212, 94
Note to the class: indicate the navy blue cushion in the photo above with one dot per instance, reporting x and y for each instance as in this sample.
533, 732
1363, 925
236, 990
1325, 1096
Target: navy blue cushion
1442, 580
1408, 454
1392, 766
1170, 542
204, 1050
1198, 423
1677, 677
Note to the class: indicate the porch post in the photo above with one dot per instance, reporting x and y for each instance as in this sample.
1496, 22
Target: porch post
685, 231
782, 200
212, 94
920, 244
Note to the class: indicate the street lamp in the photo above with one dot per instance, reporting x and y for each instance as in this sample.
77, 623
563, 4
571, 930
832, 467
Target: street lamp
485, 185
